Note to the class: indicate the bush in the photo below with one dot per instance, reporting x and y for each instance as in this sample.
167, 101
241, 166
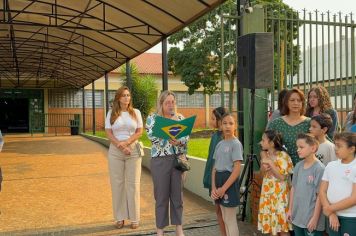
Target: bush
143, 91
144, 94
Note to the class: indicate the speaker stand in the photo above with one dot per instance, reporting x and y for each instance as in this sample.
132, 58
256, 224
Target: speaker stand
249, 163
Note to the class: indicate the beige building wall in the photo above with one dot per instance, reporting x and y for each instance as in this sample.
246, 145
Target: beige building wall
174, 84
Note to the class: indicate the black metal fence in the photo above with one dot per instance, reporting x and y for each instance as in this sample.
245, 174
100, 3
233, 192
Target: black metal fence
314, 48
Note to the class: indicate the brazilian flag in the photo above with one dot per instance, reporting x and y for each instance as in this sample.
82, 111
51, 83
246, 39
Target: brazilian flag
172, 129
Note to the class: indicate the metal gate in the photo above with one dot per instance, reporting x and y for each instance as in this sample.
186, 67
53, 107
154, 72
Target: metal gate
314, 48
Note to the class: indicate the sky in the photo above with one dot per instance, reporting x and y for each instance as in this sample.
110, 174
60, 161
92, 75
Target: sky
345, 6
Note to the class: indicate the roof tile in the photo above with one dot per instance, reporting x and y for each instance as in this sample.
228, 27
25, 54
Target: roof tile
148, 63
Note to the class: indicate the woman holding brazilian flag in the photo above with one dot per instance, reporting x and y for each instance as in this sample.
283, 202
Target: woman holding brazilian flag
167, 180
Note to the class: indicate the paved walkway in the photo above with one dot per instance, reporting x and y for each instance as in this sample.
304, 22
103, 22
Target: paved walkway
60, 186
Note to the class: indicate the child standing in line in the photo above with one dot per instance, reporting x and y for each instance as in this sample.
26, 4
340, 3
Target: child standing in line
338, 187
319, 127
305, 205
225, 174
215, 123
277, 166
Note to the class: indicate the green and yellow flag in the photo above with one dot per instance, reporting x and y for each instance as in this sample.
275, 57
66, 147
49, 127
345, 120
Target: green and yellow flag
172, 129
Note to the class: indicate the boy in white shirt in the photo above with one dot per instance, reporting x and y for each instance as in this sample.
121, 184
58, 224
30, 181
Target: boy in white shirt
319, 126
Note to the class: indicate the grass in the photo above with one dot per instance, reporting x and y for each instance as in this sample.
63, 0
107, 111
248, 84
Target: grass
197, 147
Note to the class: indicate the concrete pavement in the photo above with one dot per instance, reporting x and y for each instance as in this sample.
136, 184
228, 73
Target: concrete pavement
60, 186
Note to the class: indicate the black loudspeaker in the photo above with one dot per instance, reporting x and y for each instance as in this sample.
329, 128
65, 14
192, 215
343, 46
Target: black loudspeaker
255, 60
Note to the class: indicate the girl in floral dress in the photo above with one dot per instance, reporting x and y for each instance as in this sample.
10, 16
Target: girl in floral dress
277, 166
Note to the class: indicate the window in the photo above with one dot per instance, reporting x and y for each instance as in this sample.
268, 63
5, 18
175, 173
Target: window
215, 99
70, 98
111, 95
99, 99
65, 98
195, 100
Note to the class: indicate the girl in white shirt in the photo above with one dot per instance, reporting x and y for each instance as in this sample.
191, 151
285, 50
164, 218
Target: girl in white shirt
338, 187
123, 127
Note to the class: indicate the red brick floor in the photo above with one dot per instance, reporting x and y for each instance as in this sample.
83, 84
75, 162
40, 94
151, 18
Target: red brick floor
61, 184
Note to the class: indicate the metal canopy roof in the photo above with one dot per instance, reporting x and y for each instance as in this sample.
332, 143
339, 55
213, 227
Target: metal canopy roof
70, 43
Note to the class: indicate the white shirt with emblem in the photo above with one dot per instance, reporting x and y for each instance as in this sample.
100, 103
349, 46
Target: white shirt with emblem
341, 178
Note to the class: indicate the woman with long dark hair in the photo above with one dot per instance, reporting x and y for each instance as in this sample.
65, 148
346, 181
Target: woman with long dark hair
123, 127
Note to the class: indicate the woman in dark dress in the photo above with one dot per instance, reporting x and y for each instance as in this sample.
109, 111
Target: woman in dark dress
293, 122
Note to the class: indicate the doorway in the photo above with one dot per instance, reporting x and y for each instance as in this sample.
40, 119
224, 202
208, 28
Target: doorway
14, 115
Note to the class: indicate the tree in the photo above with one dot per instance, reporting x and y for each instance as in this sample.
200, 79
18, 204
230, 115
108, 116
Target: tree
285, 32
198, 61
143, 90
195, 67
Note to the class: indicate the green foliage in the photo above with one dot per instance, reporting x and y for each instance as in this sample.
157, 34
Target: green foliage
144, 94
198, 70
285, 32
143, 91
198, 61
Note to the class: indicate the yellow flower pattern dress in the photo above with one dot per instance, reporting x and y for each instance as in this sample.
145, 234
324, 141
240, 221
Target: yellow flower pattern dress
274, 200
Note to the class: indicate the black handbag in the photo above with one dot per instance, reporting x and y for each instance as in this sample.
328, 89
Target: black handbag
181, 163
